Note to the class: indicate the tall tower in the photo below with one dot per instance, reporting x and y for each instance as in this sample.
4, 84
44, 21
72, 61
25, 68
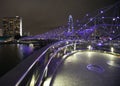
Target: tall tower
12, 26
20, 29
70, 24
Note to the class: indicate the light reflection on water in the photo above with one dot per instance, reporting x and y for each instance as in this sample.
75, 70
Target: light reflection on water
25, 50
13, 54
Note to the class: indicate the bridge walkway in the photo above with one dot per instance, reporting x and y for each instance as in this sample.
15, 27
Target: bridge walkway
87, 69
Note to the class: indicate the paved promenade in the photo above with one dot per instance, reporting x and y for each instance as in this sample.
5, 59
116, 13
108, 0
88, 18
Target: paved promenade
88, 69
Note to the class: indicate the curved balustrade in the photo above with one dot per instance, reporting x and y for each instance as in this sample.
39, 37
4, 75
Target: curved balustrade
45, 65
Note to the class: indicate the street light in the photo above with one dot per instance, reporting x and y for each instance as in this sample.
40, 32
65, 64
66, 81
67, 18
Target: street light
112, 49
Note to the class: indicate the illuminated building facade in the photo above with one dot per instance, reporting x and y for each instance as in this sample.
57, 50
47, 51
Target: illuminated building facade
70, 24
12, 26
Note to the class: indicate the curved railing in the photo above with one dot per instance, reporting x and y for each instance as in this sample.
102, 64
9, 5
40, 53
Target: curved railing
44, 66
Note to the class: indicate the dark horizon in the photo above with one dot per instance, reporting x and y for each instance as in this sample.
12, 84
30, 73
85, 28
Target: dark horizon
42, 16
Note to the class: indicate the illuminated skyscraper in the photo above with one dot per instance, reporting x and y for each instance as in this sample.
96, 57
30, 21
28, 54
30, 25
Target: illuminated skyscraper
70, 24
12, 26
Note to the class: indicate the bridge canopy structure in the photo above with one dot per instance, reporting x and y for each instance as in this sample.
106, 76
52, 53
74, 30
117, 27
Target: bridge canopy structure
103, 24
83, 49
90, 54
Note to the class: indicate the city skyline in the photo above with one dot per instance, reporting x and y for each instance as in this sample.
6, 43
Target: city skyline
42, 16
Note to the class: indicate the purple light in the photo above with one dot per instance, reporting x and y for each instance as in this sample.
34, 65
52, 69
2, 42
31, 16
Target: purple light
87, 15
110, 38
99, 44
85, 25
113, 19
113, 31
95, 68
103, 17
118, 17
101, 11
91, 19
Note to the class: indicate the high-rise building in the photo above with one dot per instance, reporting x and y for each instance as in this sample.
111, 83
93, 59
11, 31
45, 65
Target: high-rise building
70, 24
12, 26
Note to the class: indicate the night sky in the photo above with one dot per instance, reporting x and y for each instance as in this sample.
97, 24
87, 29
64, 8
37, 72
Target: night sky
40, 16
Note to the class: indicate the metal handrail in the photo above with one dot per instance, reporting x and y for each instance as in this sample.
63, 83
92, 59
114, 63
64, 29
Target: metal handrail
68, 43
24, 75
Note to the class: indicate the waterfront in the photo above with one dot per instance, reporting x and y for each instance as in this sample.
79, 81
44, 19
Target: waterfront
13, 54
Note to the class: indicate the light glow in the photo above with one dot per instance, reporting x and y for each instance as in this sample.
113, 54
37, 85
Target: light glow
91, 19
31, 45
101, 11
113, 63
47, 82
103, 17
99, 44
87, 15
112, 49
118, 17
20, 26
89, 54
89, 47
32, 83
113, 19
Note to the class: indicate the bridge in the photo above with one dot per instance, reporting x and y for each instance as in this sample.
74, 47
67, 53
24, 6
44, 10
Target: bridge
84, 53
